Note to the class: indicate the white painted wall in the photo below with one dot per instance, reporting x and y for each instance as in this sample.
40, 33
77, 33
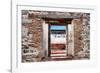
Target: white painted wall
80, 2
59, 39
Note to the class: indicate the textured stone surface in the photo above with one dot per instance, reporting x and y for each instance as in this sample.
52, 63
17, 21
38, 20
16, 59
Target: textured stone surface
32, 40
82, 36
77, 35
32, 35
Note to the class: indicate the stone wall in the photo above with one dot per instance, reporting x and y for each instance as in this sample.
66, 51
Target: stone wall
81, 36
77, 35
33, 37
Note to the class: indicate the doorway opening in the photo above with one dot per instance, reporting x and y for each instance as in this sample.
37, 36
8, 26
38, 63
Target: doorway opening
57, 38
58, 41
